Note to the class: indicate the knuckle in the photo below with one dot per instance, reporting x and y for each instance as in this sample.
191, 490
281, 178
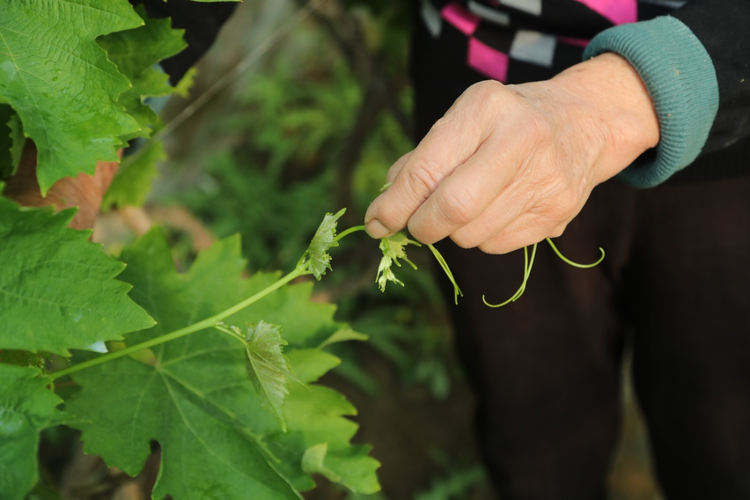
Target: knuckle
567, 205
422, 178
443, 126
455, 208
486, 90
538, 128
478, 98
558, 207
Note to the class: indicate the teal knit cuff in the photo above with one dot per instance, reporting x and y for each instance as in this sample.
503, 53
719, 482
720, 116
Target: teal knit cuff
681, 80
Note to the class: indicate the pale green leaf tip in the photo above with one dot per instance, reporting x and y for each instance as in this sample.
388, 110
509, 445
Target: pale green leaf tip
324, 239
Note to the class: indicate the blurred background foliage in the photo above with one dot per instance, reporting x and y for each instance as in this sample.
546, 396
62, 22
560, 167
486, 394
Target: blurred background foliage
310, 105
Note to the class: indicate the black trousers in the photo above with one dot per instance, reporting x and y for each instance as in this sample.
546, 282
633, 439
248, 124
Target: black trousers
546, 368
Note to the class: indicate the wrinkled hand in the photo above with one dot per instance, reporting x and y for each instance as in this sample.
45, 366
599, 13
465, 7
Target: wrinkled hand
83, 191
508, 166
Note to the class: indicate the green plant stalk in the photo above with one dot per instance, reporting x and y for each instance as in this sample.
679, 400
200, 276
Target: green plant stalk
349, 231
201, 325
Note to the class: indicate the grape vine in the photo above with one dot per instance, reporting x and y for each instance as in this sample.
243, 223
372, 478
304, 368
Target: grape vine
218, 369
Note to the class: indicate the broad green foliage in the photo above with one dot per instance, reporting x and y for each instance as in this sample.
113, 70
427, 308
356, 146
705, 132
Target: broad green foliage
61, 84
26, 408
133, 181
135, 52
323, 240
194, 397
57, 290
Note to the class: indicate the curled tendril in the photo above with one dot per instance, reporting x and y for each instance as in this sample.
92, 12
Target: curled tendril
575, 264
528, 263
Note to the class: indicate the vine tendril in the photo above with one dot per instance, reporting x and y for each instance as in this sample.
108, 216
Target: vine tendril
528, 263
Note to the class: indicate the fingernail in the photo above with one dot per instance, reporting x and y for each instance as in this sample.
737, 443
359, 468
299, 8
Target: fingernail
376, 230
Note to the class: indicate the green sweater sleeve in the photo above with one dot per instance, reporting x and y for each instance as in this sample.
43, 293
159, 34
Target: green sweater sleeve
681, 80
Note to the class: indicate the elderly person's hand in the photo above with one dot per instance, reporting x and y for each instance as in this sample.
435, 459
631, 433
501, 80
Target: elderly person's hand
508, 166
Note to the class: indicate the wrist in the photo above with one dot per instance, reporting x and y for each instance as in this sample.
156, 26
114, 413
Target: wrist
618, 105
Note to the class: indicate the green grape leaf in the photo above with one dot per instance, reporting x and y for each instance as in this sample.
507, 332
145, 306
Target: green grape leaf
267, 367
135, 52
61, 83
324, 239
316, 418
196, 400
57, 289
393, 248
132, 183
26, 408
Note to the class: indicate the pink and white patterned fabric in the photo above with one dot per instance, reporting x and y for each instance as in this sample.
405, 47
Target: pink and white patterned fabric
522, 40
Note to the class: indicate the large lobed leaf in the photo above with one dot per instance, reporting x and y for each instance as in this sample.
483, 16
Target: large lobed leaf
193, 395
135, 52
60, 82
26, 408
57, 289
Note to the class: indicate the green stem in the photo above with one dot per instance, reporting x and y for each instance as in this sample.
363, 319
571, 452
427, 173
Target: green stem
201, 325
349, 231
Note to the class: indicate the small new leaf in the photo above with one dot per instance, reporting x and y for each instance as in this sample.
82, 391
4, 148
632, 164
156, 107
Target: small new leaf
324, 239
267, 367
393, 248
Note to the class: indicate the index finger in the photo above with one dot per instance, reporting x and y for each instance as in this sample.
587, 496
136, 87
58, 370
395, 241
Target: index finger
449, 143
